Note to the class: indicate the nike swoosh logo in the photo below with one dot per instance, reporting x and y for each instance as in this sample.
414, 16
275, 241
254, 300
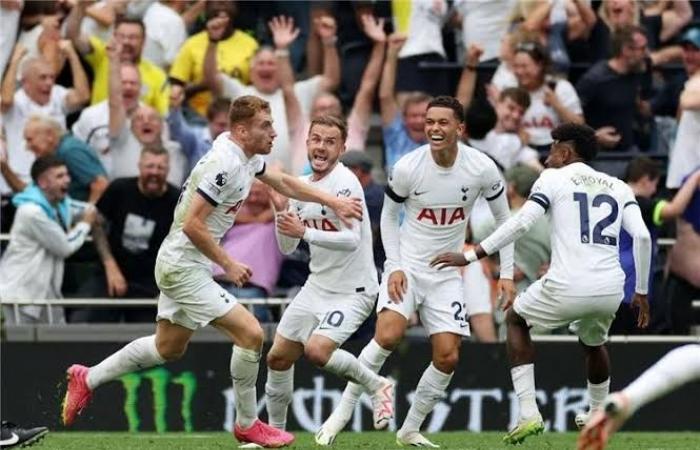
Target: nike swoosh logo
12, 440
419, 193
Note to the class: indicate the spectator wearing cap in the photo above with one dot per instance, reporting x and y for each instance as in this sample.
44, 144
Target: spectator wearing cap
49, 226
686, 151
615, 92
45, 136
361, 165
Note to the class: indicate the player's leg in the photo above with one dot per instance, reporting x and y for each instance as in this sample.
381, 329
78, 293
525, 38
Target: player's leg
279, 387
244, 330
599, 313
431, 387
389, 330
477, 299
676, 368
168, 344
597, 363
324, 353
482, 328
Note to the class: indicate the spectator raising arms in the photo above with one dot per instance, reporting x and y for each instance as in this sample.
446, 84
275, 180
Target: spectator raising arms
234, 51
39, 94
130, 33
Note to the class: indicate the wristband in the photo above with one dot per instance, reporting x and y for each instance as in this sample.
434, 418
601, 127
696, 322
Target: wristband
470, 256
281, 52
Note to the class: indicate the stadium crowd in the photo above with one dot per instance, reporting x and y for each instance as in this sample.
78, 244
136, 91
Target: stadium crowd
117, 100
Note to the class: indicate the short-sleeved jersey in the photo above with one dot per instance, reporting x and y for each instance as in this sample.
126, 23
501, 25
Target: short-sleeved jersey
338, 270
438, 201
223, 177
586, 217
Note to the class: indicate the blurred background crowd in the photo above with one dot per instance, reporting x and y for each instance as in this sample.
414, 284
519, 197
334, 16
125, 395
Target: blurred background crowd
129, 94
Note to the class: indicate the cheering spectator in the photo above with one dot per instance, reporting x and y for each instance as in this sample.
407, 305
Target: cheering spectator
39, 94
129, 135
234, 52
130, 34
49, 226
502, 142
552, 101
9, 22
100, 18
328, 104
402, 129
195, 142
484, 24
615, 91
251, 241
138, 213
686, 151
265, 78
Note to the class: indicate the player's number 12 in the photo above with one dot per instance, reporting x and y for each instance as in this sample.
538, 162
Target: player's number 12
598, 200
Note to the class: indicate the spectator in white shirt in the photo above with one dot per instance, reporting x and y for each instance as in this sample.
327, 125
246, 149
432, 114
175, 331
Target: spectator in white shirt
165, 33
39, 94
552, 101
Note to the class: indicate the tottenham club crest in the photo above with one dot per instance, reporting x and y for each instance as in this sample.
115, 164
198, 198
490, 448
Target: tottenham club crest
221, 178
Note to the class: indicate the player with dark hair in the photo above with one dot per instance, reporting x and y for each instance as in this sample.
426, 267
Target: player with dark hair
437, 185
583, 287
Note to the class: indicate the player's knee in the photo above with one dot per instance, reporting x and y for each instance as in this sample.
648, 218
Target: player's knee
446, 362
275, 361
253, 337
171, 350
317, 355
389, 335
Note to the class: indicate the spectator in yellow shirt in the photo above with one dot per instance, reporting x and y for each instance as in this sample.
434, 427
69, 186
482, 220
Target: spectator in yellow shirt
130, 34
234, 52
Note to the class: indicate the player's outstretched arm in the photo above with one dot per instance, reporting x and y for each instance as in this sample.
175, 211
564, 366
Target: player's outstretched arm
508, 232
287, 185
195, 228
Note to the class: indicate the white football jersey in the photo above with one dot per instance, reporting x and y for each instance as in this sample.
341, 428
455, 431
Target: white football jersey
223, 176
333, 269
586, 208
437, 202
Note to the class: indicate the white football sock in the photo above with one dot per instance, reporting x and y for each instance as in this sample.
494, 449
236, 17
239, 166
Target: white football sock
279, 389
244, 371
678, 367
346, 366
523, 377
136, 355
430, 390
372, 356
597, 394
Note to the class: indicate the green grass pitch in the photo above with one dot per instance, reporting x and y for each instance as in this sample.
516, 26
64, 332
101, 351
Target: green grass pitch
358, 441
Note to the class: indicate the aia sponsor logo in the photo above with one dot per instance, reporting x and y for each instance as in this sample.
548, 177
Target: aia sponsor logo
320, 224
441, 216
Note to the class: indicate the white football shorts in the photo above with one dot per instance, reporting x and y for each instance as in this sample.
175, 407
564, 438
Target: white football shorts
438, 301
189, 297
587, 317
334, 315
